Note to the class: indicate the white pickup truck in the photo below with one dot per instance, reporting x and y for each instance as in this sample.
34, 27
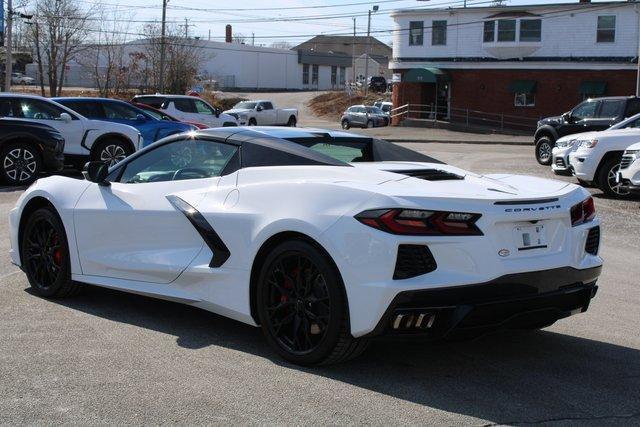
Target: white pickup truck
263, 113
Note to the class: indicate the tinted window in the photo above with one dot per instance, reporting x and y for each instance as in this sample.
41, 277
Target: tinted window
439, 33
416, 33
179, 160
90, 110
611, 109
586, 110
154, 101
267, 106
6, 107
39, 110
117, 111
349, 152
530, 30
184, 105
633, 107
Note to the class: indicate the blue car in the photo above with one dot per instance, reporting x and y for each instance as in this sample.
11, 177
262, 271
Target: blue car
112, 110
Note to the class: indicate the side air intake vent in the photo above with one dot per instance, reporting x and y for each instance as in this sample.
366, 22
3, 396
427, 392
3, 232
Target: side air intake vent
412, 261
430, 174
593, 241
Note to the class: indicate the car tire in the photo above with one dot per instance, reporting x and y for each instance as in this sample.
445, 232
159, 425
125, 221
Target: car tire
252, 122
111, 151
584, 183
544, 145
45, 256
302, 306
370, 124
292, 122
21, 163
606, 178
345, 124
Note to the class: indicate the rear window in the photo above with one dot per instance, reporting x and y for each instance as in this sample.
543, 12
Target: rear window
185, 105
91, 110
154, 101
611, 108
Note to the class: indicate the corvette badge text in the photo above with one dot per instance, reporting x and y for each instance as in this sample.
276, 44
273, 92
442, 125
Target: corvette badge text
537, 209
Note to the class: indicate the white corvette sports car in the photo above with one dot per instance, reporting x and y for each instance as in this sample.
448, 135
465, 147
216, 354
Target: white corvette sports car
324, 239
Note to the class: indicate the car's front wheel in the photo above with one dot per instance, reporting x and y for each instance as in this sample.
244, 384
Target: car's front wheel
369, 124
345, 124
21, 163
544, 146
302, 307
44, 255
111, 151
607, 180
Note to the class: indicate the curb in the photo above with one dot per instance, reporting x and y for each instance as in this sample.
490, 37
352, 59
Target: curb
448, 141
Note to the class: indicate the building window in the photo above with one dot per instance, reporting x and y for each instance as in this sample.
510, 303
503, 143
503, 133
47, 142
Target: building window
439, 33
489, 31
606, 29
334, 75
525, 100
305, 74
530, 30
416, 33
314, 75
343, 74
506, 30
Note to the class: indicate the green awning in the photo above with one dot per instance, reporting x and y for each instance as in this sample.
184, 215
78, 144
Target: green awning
522, 86
593, 88
425, 75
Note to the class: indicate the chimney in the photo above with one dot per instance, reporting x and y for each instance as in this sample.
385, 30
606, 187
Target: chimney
227, 33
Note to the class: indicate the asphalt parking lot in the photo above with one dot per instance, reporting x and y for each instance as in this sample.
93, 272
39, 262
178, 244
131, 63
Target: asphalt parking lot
106, 357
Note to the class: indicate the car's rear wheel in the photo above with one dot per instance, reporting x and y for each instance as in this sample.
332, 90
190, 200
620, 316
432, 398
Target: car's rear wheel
44, 254
302, 307
252, 122
345, 124
111, 151
544, 146
607, 178
292, 122
21, 163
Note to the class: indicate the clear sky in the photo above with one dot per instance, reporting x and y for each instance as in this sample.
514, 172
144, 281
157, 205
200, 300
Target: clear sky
272, 21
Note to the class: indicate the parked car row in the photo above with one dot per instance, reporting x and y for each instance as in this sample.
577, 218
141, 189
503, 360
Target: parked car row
589, 142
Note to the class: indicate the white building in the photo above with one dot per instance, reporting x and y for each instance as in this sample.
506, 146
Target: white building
532, 61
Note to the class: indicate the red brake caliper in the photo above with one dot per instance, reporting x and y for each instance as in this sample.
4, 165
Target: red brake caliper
57, 253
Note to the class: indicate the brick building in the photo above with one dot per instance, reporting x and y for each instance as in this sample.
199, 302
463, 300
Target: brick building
527, 61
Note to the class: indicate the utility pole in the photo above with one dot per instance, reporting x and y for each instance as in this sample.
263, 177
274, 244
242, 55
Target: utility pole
186, 28
366, 60
353, 53
8, 45
162, 44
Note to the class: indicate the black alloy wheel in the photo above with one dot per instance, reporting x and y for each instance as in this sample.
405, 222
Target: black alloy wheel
544, 148
301, 306
45, 255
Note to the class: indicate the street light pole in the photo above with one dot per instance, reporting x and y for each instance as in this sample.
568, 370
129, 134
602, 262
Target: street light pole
8, 45
366, 59
162, 44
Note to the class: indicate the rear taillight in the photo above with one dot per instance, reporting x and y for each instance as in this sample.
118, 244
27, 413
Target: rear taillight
583, 212
421, 222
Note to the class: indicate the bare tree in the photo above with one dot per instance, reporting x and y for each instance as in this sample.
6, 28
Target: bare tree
281, 45
58, 31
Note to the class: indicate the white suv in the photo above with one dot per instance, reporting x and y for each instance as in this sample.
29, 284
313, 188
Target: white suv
597, 157
84, 139
567, 144
188, 109
629, 174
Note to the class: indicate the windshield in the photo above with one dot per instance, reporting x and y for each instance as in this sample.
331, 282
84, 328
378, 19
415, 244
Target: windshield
245, 105
374, 110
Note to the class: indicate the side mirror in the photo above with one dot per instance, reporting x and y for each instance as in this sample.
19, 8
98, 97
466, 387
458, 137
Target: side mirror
65, 117
567, 117
141, 118
259, 108
217, 112
96, 172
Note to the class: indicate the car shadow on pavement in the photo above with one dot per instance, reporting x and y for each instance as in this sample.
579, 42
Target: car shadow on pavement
510, 377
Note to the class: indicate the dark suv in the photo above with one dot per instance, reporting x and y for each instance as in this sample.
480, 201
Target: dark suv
591, 115
378, 84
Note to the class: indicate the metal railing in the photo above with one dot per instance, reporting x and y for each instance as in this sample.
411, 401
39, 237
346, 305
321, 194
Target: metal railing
464, 116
